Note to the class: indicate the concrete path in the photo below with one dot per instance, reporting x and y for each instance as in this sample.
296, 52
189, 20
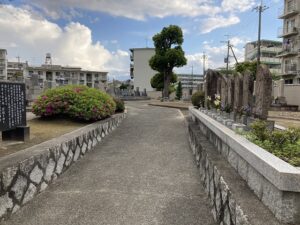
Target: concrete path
141, 174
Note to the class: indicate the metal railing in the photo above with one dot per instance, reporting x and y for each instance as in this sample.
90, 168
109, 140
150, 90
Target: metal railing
290, 68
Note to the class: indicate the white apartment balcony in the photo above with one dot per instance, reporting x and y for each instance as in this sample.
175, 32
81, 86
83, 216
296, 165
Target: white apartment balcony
131, 57
291, 9
131, 71
290, 69
287, 31
288, 51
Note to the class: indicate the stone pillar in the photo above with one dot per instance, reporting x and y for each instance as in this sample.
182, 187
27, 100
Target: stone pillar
281, 98
238, 93
263, 92
230, 84
248, 86
211, 83
224, 92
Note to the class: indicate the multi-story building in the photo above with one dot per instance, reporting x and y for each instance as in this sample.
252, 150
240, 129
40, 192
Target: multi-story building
3, 64
56, 75
190, 83
269, 51
16, 70
140, 71
291, 41
51, 75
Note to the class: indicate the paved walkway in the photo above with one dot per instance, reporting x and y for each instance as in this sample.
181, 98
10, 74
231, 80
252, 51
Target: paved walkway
141, 174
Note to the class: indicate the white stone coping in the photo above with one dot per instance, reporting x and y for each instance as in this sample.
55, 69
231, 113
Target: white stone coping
281, 174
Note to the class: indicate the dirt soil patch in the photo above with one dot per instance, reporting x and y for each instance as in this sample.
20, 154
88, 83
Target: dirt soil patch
41, 130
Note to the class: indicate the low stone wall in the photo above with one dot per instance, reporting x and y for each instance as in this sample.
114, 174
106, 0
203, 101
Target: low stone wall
29, 172
274, 182
232, 202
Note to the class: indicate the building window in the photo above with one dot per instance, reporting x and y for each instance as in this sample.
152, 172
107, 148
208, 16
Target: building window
288, 81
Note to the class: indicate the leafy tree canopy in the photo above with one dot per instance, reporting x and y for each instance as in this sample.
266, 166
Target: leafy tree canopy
168, 54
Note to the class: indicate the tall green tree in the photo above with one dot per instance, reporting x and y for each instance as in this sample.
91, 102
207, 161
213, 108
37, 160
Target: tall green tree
179, 91
168, 54
157, 81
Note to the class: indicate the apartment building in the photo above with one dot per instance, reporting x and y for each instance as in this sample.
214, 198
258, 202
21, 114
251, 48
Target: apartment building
57, 75
49, 75
269, 51
290, 71
3, 64
140, 71
190, 83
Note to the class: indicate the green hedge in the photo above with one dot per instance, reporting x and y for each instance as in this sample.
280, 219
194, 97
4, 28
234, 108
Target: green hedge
120, 106
198, 99
75, 101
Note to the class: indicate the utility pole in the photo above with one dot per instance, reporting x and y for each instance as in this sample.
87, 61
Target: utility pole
260, 9
227, 57
204, 57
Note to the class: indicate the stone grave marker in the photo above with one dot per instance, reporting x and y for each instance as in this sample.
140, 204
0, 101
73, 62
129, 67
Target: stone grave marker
263, 92
13, 112
238, 93
248, 85
230, 95
210, 86
224, 91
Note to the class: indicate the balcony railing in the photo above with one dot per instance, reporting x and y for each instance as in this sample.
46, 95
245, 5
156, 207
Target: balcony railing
290, 69
288, 51
290, 10
287, 31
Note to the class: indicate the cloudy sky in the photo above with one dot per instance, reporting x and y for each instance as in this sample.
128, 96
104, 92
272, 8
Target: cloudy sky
97, 34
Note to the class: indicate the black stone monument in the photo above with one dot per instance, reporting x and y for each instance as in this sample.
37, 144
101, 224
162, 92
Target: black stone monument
13, 112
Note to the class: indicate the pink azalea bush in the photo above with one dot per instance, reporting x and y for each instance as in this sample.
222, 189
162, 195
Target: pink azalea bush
78, 102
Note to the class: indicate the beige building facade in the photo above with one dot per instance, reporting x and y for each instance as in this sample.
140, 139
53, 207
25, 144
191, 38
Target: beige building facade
289, 32
140, 71
269, 54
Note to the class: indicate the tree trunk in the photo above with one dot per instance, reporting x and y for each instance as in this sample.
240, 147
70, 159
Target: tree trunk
167, 80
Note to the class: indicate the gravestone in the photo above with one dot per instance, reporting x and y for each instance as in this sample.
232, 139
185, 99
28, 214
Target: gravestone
13, 112
230, 88
210, 85
281, 98
263, 92
219, 84
238, 93
224, 91
248, 86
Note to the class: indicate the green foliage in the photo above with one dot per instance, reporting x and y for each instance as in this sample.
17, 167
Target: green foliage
198, 99
124, 86
179, 91
120, 106
259, 130
168, 54
157, 81
283, 144
75, 101
242, 67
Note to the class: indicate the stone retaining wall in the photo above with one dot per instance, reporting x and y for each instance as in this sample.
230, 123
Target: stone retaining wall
232, 202
29, 172
274, 182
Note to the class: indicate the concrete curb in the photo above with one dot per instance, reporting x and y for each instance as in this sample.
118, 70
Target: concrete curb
30, 171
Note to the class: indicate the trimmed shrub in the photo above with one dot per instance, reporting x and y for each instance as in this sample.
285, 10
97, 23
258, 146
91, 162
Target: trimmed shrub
75, 101
198, 99
120, 106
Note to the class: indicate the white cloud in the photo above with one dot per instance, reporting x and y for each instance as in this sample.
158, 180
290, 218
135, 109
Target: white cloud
237, 5
71, 45
133, 9
216, 22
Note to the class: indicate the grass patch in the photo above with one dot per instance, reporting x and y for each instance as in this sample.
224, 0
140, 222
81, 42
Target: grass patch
41, 130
